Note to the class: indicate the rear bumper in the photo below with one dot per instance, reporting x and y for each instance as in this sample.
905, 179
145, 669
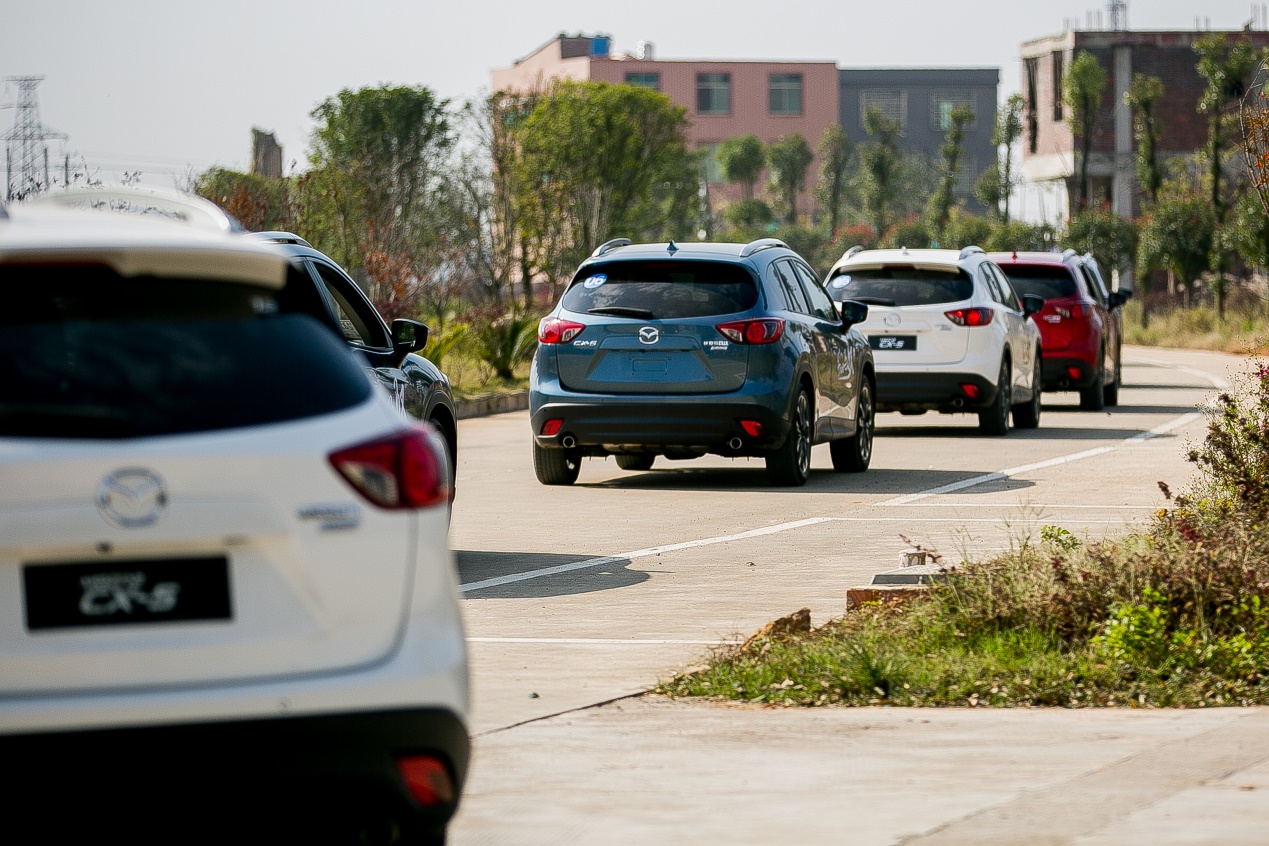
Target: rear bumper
946, 392
1067, 373
689, 424
309, 775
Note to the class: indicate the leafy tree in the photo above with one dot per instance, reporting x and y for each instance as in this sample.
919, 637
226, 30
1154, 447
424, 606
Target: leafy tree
912, 231
1110, 238
1227, 70
881, 165
962, 230
836, 152
1143, 98
788, 160
749, 218
1084, 84
259, 203
1177, 236
742, 159
1019, 235
803, 240
996, 183
939, 207
632, 176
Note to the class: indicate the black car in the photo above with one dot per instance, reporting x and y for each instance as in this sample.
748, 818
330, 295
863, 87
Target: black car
417, 385
679, 350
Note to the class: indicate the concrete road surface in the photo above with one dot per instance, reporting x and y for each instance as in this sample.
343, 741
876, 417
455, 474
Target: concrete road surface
580, 598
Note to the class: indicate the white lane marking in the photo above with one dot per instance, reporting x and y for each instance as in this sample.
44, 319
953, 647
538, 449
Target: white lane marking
1216, 382
603, 641
974, 481
638, 553
1022, 506
960, 520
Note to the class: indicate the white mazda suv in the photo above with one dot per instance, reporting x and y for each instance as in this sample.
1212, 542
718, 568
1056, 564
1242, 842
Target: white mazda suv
228, 611
948, 333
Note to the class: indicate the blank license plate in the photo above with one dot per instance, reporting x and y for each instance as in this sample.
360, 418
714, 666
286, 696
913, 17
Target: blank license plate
892, 342
109, 593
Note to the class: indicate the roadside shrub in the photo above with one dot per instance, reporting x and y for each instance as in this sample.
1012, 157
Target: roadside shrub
502, 341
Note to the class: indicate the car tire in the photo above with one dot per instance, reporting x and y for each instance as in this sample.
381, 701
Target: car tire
995, 419
556, 466
636, 461
1093, 398
790, 465
1027, 415
1111, 391
853, 454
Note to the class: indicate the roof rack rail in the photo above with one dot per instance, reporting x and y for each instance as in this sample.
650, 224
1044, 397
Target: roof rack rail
174, 205
1069, 253
970, 250
858, 248
277, 236
609, 246
761, 244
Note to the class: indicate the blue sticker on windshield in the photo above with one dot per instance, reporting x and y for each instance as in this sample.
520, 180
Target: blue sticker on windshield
595, 281
840, 282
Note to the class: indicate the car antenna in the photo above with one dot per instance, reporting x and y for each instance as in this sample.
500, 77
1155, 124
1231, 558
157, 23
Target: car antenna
1015, 255
671, 249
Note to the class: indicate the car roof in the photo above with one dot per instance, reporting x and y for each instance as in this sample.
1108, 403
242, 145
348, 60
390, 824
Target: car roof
135, 245
933, 259
621, 250
1027, 257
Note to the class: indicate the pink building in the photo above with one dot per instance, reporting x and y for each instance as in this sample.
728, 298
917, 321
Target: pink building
724, 99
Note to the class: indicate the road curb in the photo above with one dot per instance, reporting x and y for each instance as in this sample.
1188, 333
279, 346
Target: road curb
487, 404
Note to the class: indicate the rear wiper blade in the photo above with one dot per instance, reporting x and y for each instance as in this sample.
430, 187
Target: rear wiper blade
874, 301
622, 311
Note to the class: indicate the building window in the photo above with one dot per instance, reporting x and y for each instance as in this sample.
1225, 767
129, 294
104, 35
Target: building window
645, 80
711, 170
713, 93
786, 94
943, 102
1059, 77
891, 102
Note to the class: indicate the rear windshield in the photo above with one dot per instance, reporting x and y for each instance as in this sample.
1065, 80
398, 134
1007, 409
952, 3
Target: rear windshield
88, 354
661, 290
1047, 281
900, 286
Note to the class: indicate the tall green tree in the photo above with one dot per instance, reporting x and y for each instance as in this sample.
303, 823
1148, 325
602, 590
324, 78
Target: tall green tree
599, 161
995, 185
836, 153
788, 160
1227, 69
742, 160
939, 207
1143, 98
1084, 84
880, 168
1177, 236
1110, 238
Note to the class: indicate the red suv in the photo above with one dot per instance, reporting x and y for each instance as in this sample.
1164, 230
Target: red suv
1080, 325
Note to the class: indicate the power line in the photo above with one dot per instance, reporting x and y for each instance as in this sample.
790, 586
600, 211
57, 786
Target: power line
26, 148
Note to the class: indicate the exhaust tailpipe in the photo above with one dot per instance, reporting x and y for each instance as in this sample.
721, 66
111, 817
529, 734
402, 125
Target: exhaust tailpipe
735, 443
568, 442
958, 402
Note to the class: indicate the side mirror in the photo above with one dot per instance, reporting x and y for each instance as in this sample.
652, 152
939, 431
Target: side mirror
1031, 304
1118, 298
408, 336
852, 313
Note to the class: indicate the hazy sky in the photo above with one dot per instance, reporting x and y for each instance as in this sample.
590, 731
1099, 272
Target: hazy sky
172, 87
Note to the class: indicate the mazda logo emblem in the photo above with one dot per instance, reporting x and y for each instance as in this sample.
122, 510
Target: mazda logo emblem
649, 335
132, 497
893, 320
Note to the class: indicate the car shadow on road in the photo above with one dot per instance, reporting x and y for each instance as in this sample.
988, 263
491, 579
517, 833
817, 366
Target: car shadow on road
476, 566
754, 480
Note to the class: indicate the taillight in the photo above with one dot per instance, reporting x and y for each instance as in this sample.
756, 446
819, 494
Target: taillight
556, 330
1078, 310
980, 316
405, 470
427, 780
763, 330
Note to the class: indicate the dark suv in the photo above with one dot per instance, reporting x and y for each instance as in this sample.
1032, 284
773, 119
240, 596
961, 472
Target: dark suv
1081, 325
679, 350
416, 385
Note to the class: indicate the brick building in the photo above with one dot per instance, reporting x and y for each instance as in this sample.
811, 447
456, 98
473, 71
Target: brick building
1048, 145
770, 99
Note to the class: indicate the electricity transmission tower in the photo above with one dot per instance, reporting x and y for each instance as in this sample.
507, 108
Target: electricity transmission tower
26, 147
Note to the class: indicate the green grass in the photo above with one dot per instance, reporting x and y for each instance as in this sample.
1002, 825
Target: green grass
1245, 328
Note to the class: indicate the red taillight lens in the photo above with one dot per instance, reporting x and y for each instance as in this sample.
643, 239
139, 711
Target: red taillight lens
1073, 372
971, 391
1078, 310
556, 330
980, 316
761, 331
406, 470
551, 428
427, 779
752, 428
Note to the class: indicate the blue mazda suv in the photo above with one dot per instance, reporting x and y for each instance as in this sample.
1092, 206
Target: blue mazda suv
679, 350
